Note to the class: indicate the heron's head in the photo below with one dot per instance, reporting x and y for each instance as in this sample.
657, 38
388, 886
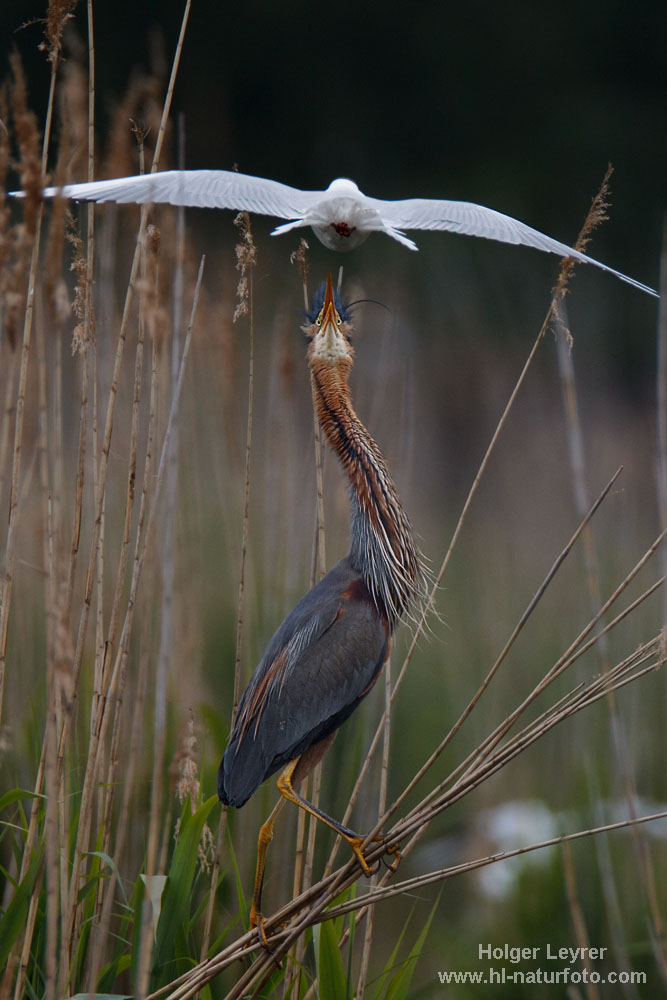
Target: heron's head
328, 330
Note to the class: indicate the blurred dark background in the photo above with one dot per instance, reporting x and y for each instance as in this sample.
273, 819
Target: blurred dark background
516, 106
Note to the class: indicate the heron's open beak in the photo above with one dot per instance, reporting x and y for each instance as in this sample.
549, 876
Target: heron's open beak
329, 312
329, 343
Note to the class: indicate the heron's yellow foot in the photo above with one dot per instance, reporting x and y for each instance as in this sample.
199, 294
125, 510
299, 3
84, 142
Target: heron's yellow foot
356, 842
256, 921
395, 850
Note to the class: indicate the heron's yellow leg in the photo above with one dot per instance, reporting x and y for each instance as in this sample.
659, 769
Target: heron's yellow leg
263, 841
355, 840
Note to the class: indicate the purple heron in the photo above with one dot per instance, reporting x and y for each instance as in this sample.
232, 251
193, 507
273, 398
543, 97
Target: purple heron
327, 654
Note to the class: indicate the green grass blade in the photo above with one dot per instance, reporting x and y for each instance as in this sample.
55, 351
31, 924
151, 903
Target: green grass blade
330, 972
13, 920
101, 996
16, 795
399, 987
156, 892
177, 897
385, 976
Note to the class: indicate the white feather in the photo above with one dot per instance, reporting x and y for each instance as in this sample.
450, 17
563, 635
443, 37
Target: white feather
342, 217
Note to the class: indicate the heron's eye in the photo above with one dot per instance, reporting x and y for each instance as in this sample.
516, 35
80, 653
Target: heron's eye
338, 320
318, 321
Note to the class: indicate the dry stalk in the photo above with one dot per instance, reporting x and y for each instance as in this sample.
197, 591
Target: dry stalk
31, 178
246, 257
624, 768
630, 669
305, 852
146, 947
111, 640
101, 928
104, 458
32, 171
577, 915
504, 652
594, 217
429, 605
100, 485
194, 980
382, 805
487, 759
100, 488
485, 763
661, 395
417, 821
7, 413
410, 885
51, 823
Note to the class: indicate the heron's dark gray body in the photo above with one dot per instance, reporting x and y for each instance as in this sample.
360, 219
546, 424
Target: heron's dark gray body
316, 669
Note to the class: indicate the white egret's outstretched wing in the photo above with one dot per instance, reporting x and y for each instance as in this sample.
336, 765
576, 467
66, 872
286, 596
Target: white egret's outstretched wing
475, 220
342, 217
198, 189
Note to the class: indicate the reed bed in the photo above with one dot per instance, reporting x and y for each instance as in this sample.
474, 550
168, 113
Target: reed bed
163, 500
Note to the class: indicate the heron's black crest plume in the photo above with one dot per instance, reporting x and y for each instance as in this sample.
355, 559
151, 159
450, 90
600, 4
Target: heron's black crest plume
317, 304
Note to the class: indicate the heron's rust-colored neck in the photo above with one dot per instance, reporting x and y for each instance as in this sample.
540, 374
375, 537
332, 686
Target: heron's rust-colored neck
382, 546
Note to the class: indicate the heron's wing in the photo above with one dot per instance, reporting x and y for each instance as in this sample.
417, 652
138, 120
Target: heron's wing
320, 663
475, 220
198, 189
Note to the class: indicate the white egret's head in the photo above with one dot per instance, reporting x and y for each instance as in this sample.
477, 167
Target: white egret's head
343, 219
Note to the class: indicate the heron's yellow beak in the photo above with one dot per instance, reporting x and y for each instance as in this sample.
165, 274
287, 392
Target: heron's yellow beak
329, 314
329, 343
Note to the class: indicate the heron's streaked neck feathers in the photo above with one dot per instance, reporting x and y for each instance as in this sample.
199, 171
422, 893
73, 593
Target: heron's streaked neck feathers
382, 546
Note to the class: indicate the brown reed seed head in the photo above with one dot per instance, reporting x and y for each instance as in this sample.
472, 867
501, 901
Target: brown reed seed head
58, 14
157, 318
185, 762
55, 240
4, 167
184, 778
662, 645
597, 214
72, 102
80, 334
15, 240
153, 239
300, 257
141, 103
246, 258
28, 140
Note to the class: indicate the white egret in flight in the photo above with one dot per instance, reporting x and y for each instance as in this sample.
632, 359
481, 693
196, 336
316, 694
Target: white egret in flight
341, 217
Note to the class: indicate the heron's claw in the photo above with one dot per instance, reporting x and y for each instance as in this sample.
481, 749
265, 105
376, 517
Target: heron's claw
355, 844
395, 850
256, 920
